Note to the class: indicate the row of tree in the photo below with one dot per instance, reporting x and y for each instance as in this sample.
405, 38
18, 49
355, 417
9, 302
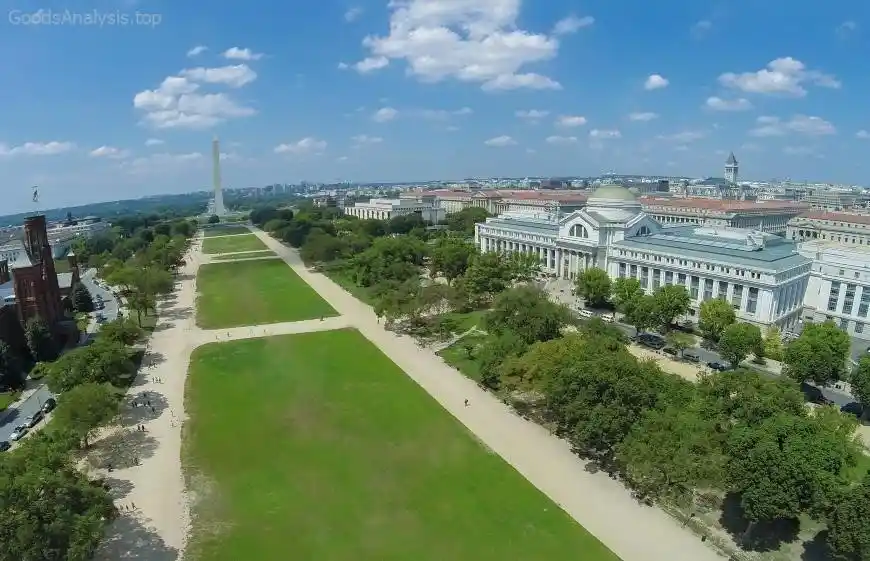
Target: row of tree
735, 436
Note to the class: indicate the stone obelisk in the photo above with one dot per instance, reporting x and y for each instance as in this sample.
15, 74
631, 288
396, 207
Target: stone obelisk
216, 177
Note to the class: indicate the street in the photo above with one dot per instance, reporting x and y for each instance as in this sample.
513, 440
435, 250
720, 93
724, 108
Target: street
560, 290
18, 412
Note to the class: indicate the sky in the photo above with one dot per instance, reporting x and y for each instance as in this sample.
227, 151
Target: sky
114, 99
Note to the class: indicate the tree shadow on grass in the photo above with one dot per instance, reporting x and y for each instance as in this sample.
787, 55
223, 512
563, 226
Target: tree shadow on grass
817, 549
129, 539
121, 449
764, 536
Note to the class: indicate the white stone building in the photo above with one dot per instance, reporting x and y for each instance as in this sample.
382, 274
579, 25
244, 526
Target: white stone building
839, 286
386, 209
762, 275
846, 229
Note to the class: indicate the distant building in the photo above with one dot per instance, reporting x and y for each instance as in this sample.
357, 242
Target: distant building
762, 275
767, 216
325, 202
831, 200
386, 209
732, 168
31, 282
839, 286
843, 228
496, 201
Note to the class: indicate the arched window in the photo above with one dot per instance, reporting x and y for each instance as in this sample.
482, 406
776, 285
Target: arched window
643, 231
578, 231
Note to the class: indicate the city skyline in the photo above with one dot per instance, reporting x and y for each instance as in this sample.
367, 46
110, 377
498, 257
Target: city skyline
349, 91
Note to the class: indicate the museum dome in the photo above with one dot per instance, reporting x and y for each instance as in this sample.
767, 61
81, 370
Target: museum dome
612, 193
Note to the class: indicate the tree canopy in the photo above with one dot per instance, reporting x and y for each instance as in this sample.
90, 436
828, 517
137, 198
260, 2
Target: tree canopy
819, 354
529, 313
593, 285
714, 316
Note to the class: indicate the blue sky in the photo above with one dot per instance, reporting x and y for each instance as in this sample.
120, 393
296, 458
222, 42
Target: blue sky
425, 89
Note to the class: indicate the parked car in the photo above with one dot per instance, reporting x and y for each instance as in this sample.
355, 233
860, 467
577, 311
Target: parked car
49, 405
717, 366
34, 419
4, 445
671, 351
691, 356
853, 408
18, 433
608, 318
814, 394
651, 340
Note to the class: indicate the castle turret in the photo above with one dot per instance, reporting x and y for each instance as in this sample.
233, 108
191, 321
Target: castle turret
731, 168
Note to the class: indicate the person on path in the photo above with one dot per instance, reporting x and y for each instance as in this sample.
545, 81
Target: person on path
466, 403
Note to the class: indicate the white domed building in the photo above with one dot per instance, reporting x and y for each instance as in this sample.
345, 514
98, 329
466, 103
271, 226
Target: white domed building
762, 275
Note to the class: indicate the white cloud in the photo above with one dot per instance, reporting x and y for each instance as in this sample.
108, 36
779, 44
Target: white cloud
367, 64
643, 116
197, 50
603, 134
800, 124
572, 24
700, 28
847, 28
503, 140
235, 53
784, 76
571, 121
307, 145
109, 152
655, 82
683, 137
362, 139
475, 42
719, 104
863, 134
153, 142
51, 148
234, 76
158, 163
532, 115
385, 114
353, 14
177, 102
561, 139
443, 114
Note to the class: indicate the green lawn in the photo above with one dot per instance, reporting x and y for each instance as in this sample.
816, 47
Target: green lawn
238, 293
8, 398
317, 446
229, 244
456, 355
224, 230
266, 253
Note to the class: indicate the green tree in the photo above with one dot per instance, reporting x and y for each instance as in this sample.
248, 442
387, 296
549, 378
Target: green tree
214, 219
494, 353
40, 340
593, 285
671, 302
489, 273
81, 299
849, 523
122, 330
464, 220
51, 511
104, 361
524, 266
819, 354
86, 407
320, 247
450, 258
668, 454
529, 313
11, 373
773, 348
680, 341
860, 381
738, 341
714, 316
625, 293
642, 314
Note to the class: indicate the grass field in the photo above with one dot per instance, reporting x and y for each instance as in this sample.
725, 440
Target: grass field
229, 244
265, 253
226, 230
339, 456
232, 294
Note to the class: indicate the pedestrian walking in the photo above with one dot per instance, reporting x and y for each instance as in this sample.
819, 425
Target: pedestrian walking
466, 403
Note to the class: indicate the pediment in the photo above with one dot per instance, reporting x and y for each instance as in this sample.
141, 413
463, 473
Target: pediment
582, 221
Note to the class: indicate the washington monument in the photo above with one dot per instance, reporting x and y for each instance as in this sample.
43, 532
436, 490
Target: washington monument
216, 177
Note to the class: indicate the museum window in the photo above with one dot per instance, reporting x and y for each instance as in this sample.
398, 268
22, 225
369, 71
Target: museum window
859, 328
644, 277
833, 296
633, 271
708, 289
622, 270
865, 302
752, 301
737, 296
694, 289
849, 299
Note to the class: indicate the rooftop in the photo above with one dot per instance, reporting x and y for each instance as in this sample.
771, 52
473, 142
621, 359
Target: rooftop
736, 246
720, 205
838, 217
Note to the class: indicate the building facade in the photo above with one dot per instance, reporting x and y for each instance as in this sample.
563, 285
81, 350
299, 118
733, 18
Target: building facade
37, 290
831, 200
761, 274
767, 216
498, 201
839, 286
386, 209
840, 227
